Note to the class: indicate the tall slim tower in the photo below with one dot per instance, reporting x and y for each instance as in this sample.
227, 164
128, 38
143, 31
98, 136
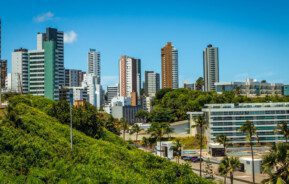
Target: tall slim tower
170, 71
56, 36
94, 64
211, 67
129, 76
46, 65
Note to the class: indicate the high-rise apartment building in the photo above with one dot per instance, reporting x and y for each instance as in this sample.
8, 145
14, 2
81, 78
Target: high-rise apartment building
19, 74
211, 67
152, 83
56, 36
94, 90
46, 65
94, 64
170, 71
129, 76
73, 78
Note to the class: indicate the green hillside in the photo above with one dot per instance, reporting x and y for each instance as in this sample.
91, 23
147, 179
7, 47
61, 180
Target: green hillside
35, 148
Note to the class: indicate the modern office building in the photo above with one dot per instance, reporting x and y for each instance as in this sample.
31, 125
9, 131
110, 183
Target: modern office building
285, 90
126, 112
211, 67
170, 71
152, 83
94, 64
19, 74
129, 76
73, 78
112, 91
3, 73
226, 119
250, 87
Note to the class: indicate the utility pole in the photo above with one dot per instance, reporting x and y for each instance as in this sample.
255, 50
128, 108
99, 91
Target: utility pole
71, 132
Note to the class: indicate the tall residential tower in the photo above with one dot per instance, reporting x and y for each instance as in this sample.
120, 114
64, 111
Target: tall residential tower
211, 67
94, 64
129, 77
46, 65
170, 71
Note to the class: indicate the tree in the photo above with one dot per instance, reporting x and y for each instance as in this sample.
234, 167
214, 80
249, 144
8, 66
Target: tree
276, 164
229, 165
202, 125
124, 126
222, 139
177, 148
200, 83
282, 128
250, 130
157, 131
135, 129
142, 114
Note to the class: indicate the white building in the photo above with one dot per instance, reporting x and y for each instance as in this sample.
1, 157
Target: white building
120, 101
36, 72
19, 75
147, 103
250, 87
227, 119
94, 64
94, 90
8, 82
211, 67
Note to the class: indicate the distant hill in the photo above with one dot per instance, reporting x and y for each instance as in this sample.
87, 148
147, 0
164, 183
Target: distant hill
35, 148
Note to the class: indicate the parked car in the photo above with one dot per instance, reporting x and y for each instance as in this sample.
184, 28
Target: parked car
197, 159
188, 158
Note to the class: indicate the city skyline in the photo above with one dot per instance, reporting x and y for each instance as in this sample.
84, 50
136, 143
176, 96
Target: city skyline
243, 43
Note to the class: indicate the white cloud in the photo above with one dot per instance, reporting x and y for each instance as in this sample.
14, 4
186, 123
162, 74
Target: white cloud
70, 37
44, 17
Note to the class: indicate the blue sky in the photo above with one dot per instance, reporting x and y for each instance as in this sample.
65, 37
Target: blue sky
252, 36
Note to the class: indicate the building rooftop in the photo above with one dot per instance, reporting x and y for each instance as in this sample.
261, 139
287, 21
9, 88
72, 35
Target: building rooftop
247, 105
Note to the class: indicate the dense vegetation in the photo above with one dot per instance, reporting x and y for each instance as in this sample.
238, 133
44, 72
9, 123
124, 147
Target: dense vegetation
35, 148
172, 105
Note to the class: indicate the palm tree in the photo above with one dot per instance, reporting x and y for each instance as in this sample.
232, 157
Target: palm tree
177, 148
157, 130
282, 128
250, 130
124, 126
202, 124
222, 139
229, 165
135, 129
276, 164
